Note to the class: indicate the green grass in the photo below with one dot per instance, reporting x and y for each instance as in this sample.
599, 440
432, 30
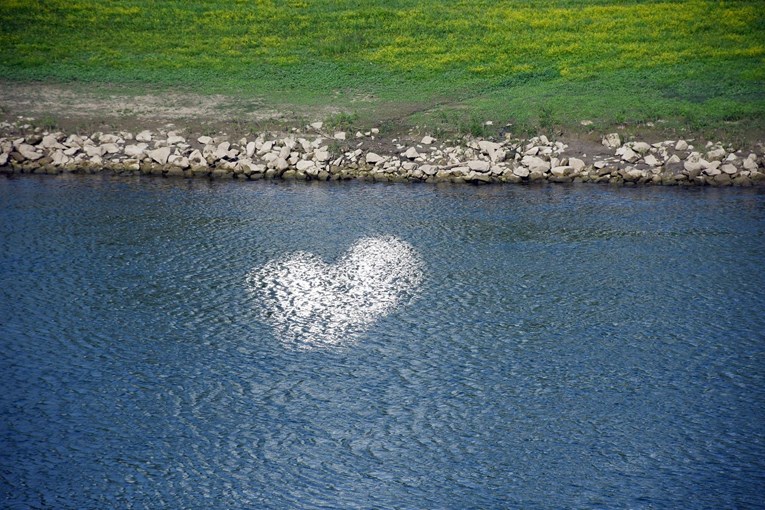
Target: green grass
546, 64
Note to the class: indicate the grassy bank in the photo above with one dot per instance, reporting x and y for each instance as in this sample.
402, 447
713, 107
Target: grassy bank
543, 64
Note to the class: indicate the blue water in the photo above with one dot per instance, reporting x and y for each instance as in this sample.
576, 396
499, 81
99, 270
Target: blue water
566, 347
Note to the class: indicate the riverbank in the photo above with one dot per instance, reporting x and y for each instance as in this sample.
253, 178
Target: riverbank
315, 153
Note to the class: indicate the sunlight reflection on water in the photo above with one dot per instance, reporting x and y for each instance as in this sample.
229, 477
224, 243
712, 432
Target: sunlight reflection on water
312, 304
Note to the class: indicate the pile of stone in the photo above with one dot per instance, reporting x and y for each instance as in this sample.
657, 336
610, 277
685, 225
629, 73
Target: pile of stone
324, 157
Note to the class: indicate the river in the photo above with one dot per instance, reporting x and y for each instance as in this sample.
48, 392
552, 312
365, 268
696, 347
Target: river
202, 345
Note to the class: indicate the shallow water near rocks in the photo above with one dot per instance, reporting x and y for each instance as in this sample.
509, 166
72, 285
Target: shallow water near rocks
563, 347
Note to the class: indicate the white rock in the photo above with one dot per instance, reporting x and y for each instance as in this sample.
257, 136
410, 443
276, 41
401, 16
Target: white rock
641, 148
373, 158
59, 158
136, 150
750, 163
250, 149
50, 141
196, 158
266, 147
709, 164
304, 165
317, 125
629, 155
535, 164
281, 164
205, 140
427, 140
692, 166
488, 147
3, 159
576, 163
179, 161
729, 169
29, 152
612, 140
521, 171
712, 171
340, 135
561, 171
110, 139
428, 169
160, 155
681, 145
478, 165
143, 136
222, 150
321, 156
172, 140
93, 150
673, 159
375, 131
651, 160
532, 151
110, 148
411, 153
716, 154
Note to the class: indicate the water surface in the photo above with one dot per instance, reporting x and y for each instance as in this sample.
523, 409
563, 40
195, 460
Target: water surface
565, 347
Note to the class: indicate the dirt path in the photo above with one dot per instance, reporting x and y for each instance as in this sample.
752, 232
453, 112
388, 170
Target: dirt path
79, 107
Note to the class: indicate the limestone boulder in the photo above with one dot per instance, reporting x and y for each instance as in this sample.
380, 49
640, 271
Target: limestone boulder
576, 163
521, 171
411, 153
641, 148
651, 160
136, 151
716, 154
612, 140
488, 147
160, 155
109, 148
29, 152
479, 166
630, 156
305, 165
535, 164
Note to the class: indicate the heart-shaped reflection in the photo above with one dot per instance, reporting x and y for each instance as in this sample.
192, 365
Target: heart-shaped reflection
311, 303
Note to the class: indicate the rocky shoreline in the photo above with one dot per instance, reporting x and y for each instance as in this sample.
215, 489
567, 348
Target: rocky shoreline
313, 153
